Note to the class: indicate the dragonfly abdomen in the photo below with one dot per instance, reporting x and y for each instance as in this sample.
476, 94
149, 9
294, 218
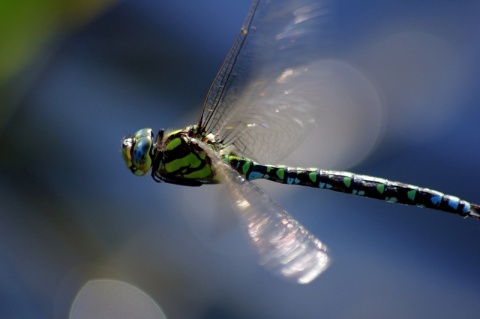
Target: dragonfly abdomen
360, 185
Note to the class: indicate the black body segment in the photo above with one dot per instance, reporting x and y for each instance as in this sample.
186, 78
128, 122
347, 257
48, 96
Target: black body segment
360, 185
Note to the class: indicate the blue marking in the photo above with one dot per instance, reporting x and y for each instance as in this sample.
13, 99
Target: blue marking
289, 180
436, 199
361, 193
255, 175
466, 207
391, 199
453, 201
328, 186
296, 181
321, 185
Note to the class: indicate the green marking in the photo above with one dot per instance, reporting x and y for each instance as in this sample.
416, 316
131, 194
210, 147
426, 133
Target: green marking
173, 144
313, 177
347, 181
245, 168
381, 188
281, 173
195, 161
202, 173
411, 194
269, 168
188, 161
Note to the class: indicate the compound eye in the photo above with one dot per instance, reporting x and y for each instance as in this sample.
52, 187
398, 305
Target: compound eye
127, 145
136, 151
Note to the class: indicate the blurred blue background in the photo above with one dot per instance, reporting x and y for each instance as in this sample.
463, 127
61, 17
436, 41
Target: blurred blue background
77, 77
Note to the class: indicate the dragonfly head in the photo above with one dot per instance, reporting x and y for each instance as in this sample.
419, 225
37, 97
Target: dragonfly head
137, 151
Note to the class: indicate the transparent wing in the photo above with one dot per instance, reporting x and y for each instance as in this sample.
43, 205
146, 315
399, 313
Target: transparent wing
264, 98
285, 247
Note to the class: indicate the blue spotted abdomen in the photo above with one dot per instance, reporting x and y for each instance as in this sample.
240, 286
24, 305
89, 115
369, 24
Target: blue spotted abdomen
360, 185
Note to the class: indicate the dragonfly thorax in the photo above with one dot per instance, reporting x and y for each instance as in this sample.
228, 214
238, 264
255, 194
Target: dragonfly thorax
180, 159
175, 157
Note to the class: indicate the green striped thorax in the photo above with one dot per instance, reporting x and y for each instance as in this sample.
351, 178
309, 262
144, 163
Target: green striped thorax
175, 157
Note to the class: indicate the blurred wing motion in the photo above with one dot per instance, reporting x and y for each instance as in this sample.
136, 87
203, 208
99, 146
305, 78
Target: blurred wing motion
261, 105
265, 96
285, 247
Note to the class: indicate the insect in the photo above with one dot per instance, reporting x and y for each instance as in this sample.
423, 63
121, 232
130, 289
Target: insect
246, 122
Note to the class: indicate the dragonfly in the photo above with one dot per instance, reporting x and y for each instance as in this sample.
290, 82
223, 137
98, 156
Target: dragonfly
255, 112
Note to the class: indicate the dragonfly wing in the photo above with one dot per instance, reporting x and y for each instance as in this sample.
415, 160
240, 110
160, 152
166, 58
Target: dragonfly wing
264, 98
285, 247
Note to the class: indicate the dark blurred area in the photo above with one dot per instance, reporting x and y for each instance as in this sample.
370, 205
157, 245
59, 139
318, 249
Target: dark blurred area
77, 76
